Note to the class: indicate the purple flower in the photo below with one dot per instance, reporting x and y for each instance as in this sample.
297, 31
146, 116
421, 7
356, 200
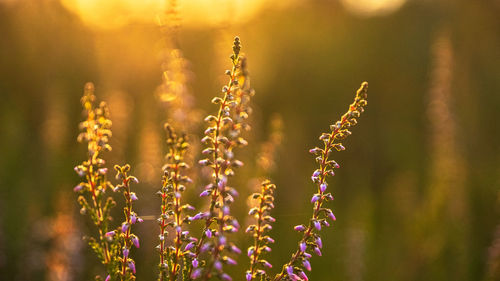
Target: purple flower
205, 193
124, 227
250, 251
267, 264
248, 276
300, 228
108, 278
289, 270
269, 239
131, 265
133, 196
218, 265
135, 240
78, 188
139, 220
316, 173
226, 277
204, 162
332, 216
307, 265
295, 277
319, 242
208, 233
222, 183
196, 274
110, 233
189, 246
317, 225
222, 240
307, 255
317, 251
125, 252
133, 218
302, 246
322, 187
197, 216
303, 276
315, 198
195, 263
231, 261
205, 247
235, 249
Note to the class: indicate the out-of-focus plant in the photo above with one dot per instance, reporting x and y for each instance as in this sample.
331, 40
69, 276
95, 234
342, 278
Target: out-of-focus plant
184, 257
111, 246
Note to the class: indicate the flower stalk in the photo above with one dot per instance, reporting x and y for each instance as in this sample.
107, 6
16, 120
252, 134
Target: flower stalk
310, 238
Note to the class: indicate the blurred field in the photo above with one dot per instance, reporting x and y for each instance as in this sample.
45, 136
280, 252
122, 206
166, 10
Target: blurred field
417, 197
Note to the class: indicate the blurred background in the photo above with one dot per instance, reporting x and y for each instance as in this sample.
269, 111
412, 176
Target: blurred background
417, 195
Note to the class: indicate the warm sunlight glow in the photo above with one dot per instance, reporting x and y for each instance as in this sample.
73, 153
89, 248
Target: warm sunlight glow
116, 13
372, 7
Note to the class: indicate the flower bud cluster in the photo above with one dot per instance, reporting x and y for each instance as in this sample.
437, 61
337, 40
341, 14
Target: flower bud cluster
261, 241
95, 132
174, 184
311, 241
221, 137
124, 232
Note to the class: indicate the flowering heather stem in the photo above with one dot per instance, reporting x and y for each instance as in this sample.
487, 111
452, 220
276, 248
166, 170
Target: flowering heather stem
222, 136
261, 213
173, 186
128, 239
96, 133
339, 131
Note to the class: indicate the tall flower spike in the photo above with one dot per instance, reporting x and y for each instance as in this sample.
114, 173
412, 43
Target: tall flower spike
262, 214
127, 238
96, 131
338, 131
222, 136
174, 184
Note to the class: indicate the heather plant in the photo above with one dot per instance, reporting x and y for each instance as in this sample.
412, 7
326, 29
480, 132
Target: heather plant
181, 255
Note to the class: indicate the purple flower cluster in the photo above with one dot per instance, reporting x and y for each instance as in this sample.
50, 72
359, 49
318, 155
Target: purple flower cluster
311, 241
173, 185
126, 237
262, 214
221, 137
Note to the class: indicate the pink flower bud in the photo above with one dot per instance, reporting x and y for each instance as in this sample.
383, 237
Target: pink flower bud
317, 225
218, 265
189, 246
300, 228
131, 265
196, 274
135, 240
322, 187
205, 193
133, 196
317, 251
307, 265
303, 246
125, 252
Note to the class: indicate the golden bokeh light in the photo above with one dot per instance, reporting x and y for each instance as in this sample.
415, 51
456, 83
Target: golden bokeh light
372, 7
117, 13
